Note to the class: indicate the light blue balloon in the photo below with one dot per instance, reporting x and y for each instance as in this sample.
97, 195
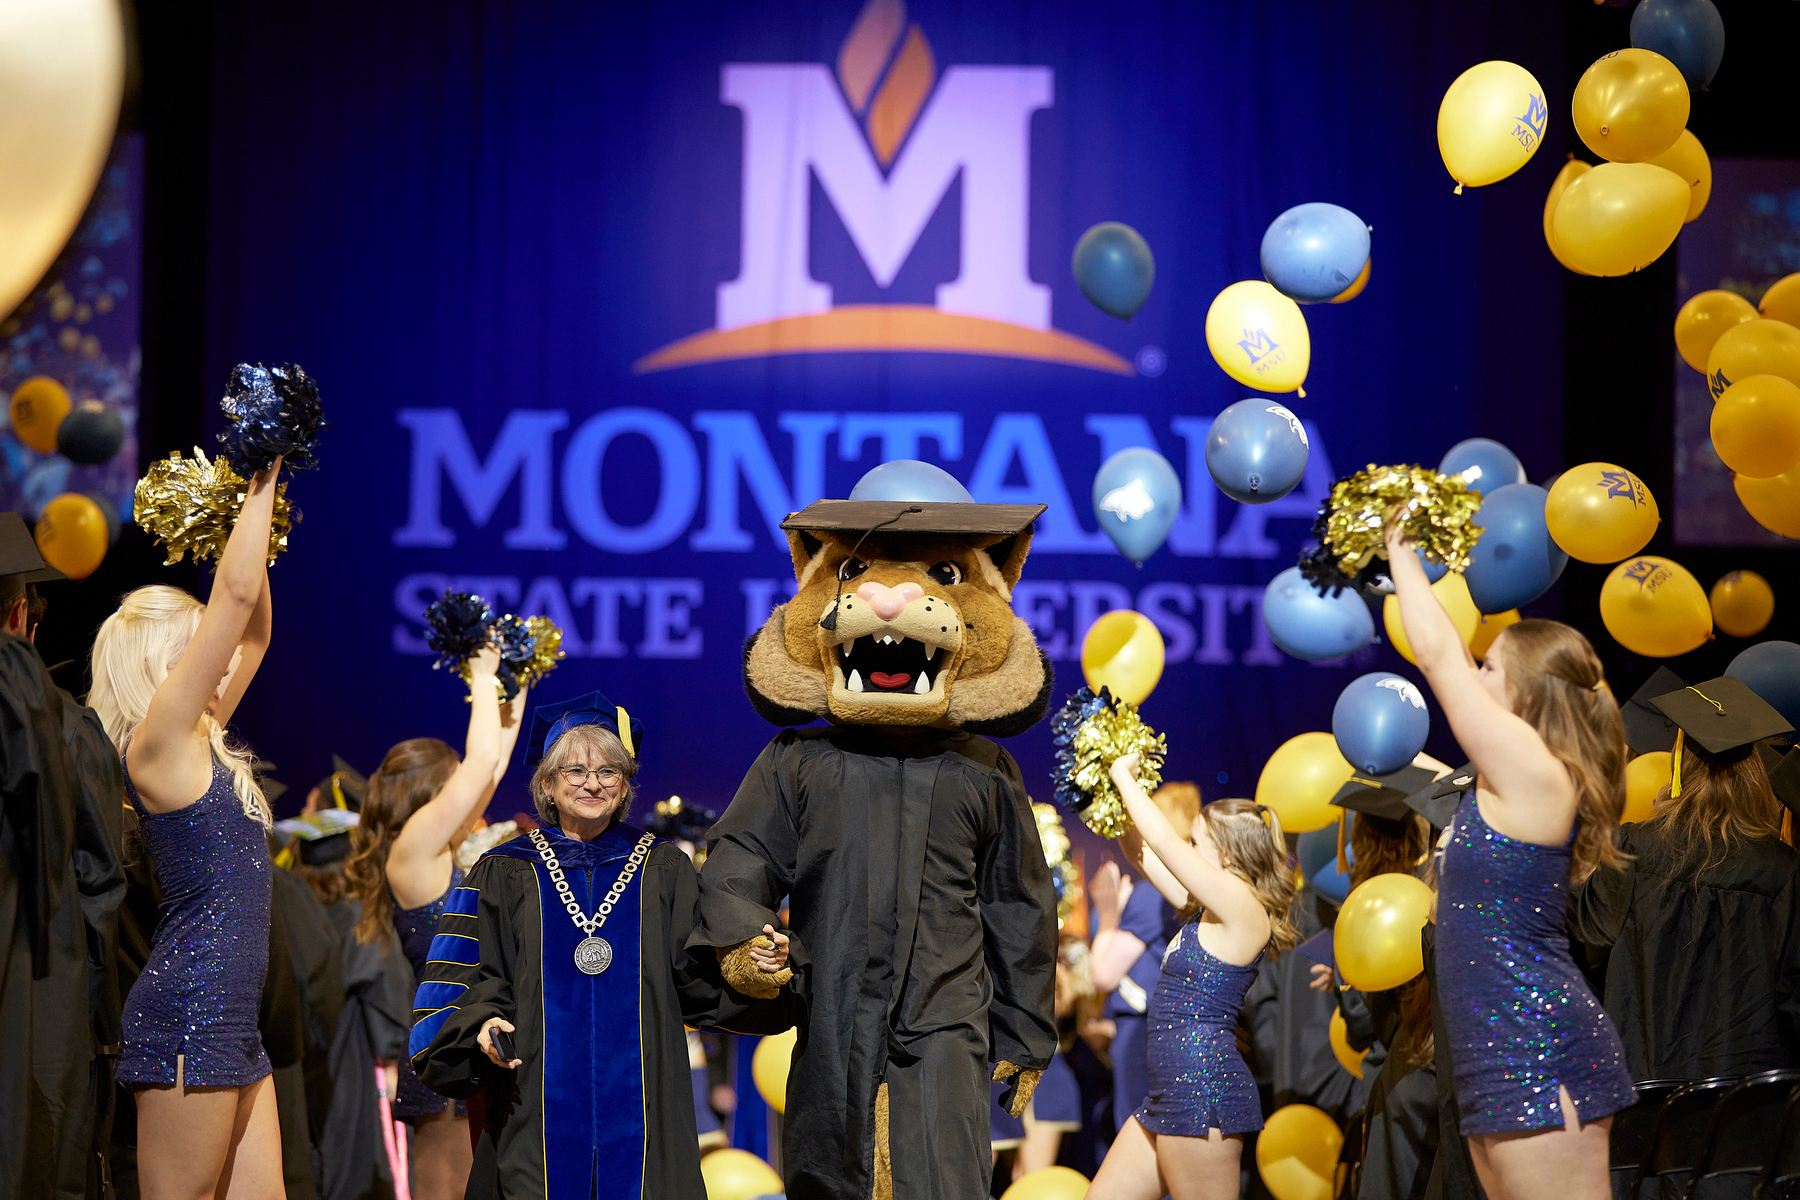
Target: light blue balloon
1515, 561
1380, 722
1313, 627
1137, 496
1689, 33
1313, 252
1494, 465
911, 480
1256, 451
1114, 268
1772, 671
1317, 853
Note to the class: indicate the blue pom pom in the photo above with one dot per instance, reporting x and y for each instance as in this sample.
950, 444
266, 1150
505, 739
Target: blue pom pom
460, 624
273, 412
1068, 719
517, 645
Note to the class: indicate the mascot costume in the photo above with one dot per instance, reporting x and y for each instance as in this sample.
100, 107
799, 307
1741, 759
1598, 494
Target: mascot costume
923, 915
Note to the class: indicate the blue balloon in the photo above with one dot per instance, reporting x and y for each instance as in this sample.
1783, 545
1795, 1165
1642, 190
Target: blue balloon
1434, 571
1689, 33
1772, 671
1136, 498
1492, 464
909, 479
1317, 853
1515, 561
1114, 268
1313, 627
1312, 252
1380, 722
1256, 451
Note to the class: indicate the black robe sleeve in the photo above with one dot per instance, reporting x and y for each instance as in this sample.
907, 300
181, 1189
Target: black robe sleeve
450, 1063
706, 999
1599, 904
751, 856
37, 783
99, 873
1019, 928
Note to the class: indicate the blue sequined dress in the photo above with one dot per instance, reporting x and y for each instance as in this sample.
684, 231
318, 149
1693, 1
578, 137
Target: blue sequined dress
1198, 1080
192, 1013
416, 927
1521, 1020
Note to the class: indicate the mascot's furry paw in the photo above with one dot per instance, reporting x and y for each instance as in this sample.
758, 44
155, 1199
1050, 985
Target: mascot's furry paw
742, 973
1025, 1082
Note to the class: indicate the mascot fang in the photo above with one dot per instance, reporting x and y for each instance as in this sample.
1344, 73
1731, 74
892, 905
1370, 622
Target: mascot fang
924, 919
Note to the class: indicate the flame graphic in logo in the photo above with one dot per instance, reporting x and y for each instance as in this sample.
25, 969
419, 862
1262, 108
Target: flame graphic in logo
887, 96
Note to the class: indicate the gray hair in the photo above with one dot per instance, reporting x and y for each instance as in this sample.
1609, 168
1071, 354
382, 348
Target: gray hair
597, 739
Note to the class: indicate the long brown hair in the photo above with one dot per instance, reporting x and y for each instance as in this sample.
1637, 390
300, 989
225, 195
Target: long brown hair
1250, 836
1719, 804
1384, 847
1556, 685
407, 779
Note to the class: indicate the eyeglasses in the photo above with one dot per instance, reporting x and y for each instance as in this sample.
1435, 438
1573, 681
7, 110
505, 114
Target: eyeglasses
578, 776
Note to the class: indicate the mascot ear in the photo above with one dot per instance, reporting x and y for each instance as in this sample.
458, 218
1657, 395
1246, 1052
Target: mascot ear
804, 547
1009, 556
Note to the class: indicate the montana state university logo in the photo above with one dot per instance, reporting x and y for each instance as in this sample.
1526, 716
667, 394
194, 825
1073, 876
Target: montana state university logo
885, 135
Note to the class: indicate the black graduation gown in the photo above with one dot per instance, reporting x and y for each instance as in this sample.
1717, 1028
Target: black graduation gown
513, 941
1453, 1174
925, 942
1703, 977
372, 1025
315, 964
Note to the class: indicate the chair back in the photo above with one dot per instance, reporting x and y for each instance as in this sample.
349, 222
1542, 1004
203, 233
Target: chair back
1681, 1129
1783, 1170
1741, 1135
1633, 1128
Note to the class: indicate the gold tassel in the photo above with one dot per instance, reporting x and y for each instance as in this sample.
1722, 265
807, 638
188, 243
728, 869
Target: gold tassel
1675, 765
625, 731
1343, 861
1787, 826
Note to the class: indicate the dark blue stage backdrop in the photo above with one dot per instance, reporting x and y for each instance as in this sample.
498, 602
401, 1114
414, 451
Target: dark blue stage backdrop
598, 293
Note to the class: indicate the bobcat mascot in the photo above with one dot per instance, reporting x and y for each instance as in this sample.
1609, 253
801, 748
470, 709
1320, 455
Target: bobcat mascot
924, 922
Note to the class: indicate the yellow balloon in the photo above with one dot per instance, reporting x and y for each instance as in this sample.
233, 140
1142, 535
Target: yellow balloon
1453, 594
72, 534
1687, 158
1782, 301
1743, 603
1300, 779
1048, 1183
1297, 1153
1123, 652
1490, 123
1774, 503
1655, 607
738, 1175
1756, 426
1618, 217
1376, 941
1356, 285
39, 405
1258, 337
1703, 318
769, 1067
1572, 170
1600, 513
1645, 777
1759, 347
1631, 105
1339, 1036
1489, 629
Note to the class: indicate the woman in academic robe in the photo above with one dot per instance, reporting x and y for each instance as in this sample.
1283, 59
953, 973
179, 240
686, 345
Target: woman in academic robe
559, 984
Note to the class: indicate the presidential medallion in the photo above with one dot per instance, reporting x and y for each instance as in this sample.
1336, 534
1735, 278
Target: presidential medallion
593, 955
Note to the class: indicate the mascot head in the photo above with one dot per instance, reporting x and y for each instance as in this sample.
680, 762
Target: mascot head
903, 617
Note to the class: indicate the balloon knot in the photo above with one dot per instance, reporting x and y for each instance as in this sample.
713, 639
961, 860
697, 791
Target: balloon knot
1302, 392
1457, 190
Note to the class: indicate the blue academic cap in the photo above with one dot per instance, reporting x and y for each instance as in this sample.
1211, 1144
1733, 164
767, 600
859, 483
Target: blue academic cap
551, 721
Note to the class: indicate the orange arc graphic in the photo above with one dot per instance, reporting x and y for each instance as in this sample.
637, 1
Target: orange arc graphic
875, 327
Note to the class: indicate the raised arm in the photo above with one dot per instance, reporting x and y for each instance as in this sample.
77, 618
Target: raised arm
418, 865
1115, 948
251, 648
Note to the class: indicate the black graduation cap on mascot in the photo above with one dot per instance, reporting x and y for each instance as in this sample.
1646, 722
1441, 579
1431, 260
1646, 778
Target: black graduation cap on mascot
1381, 799
19, 553
1647, 728
551, 721
1720, 721
1437, 800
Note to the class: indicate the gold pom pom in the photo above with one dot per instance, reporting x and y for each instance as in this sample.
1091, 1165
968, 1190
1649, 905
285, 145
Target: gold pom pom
546, 650
1102, 740
1435, 511
191, 506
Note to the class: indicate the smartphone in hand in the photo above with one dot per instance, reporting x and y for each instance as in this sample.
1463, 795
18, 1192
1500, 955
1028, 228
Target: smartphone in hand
503, 1043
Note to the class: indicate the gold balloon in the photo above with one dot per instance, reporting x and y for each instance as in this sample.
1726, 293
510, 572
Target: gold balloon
769, 1067
737, 1175
39, 405
1774, 503
1759, 347
1376, 941
1645, 777
1339, 1036
1631, 105
1655, 607
1489, 629
1356, 285
1300, 779
1259, 337
1048, 1183
1452, 592
72, 535
1756, 426
1743, 603
1618, 217
1687, 158
1782, 301
1703, 318
1571, 171
62, 70
1297, 1153
1123, 652
1490, 123
1600, 513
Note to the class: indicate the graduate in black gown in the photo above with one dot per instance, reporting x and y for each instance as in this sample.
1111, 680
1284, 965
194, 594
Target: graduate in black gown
570, 942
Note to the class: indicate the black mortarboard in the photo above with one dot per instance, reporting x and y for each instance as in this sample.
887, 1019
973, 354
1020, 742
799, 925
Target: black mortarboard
1647, 728
1437, 800
19, 553
1721, 718
1382, 796
344, 787
322, 838
1783, 769
922, 517
551, 721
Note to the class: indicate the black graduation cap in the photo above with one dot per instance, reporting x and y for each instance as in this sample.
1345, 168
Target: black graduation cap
924, 516
1720, 720
19, 553
551, 721
344, 787
1783, 768
1437, 800
1383, 796
320, 839
1647, 728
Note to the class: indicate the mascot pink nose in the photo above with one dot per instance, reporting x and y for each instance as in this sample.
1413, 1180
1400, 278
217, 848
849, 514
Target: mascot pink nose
889, 602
